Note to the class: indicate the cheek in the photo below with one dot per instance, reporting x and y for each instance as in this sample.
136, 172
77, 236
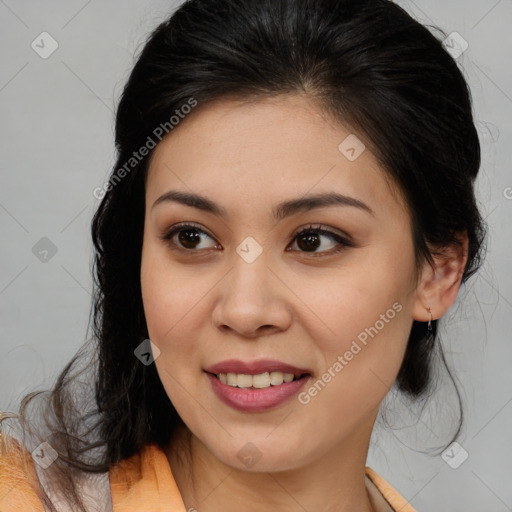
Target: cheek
365, 313
175, 305
169, 298
360, 365
166, 293
348, 304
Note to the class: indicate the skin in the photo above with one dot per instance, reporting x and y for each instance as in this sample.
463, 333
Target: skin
207, 304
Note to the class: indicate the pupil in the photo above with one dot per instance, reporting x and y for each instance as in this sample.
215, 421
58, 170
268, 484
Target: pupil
311, 241
189, 238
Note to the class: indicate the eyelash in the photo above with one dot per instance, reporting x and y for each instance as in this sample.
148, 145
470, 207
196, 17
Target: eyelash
343, 243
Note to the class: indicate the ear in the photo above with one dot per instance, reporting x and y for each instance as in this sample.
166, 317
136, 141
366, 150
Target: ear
438, 287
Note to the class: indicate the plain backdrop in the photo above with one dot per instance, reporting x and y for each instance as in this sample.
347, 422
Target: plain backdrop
57, 146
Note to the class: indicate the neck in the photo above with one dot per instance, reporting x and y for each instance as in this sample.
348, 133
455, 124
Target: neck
334, 483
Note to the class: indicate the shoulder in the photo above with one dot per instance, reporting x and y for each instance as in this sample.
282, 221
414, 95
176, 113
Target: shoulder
145, 481
19, 485
395, 500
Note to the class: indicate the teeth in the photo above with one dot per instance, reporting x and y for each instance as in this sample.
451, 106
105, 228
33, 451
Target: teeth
244, 381
260, 381
288, 377
276, 378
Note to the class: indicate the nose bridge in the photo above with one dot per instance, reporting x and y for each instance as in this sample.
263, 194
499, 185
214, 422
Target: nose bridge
251, 296
250, 273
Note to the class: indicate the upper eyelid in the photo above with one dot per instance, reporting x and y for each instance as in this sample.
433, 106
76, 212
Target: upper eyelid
176, 228
321, 227
327, 231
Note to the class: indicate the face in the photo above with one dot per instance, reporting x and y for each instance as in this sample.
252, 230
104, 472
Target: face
241, 284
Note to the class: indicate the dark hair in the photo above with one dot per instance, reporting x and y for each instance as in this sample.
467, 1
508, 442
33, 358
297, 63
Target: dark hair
366, 62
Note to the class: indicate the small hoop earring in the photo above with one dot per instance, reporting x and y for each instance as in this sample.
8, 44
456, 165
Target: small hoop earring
429, 326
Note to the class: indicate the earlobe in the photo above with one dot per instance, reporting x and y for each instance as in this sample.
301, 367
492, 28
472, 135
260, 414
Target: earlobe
439, 286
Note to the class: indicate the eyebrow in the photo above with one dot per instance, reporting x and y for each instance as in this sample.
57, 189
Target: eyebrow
279, 212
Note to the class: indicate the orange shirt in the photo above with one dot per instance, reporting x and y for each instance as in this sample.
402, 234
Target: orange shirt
144, 482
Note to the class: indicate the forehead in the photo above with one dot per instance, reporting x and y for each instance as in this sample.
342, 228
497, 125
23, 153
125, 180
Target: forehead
272, 148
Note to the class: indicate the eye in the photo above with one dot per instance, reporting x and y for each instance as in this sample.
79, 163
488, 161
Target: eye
310, 238
188, 237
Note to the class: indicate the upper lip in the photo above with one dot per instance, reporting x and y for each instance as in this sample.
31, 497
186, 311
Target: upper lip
255, 367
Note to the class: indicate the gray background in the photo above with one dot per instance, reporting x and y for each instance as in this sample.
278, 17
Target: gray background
57, 147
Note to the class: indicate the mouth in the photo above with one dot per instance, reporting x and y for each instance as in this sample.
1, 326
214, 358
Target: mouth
259, 374
256, 386
259, 381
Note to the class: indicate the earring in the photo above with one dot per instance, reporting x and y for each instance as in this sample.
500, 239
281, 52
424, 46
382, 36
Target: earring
429, 326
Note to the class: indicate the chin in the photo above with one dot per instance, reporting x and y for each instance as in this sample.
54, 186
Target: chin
260, 455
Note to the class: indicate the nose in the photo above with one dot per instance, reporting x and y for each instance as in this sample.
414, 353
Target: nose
252, 300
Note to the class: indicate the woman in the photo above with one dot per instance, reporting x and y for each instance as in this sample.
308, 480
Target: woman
291, 213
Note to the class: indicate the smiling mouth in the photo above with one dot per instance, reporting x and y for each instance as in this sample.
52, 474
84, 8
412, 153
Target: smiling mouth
258, 381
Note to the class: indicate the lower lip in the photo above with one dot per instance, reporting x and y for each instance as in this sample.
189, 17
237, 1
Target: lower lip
256, 400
